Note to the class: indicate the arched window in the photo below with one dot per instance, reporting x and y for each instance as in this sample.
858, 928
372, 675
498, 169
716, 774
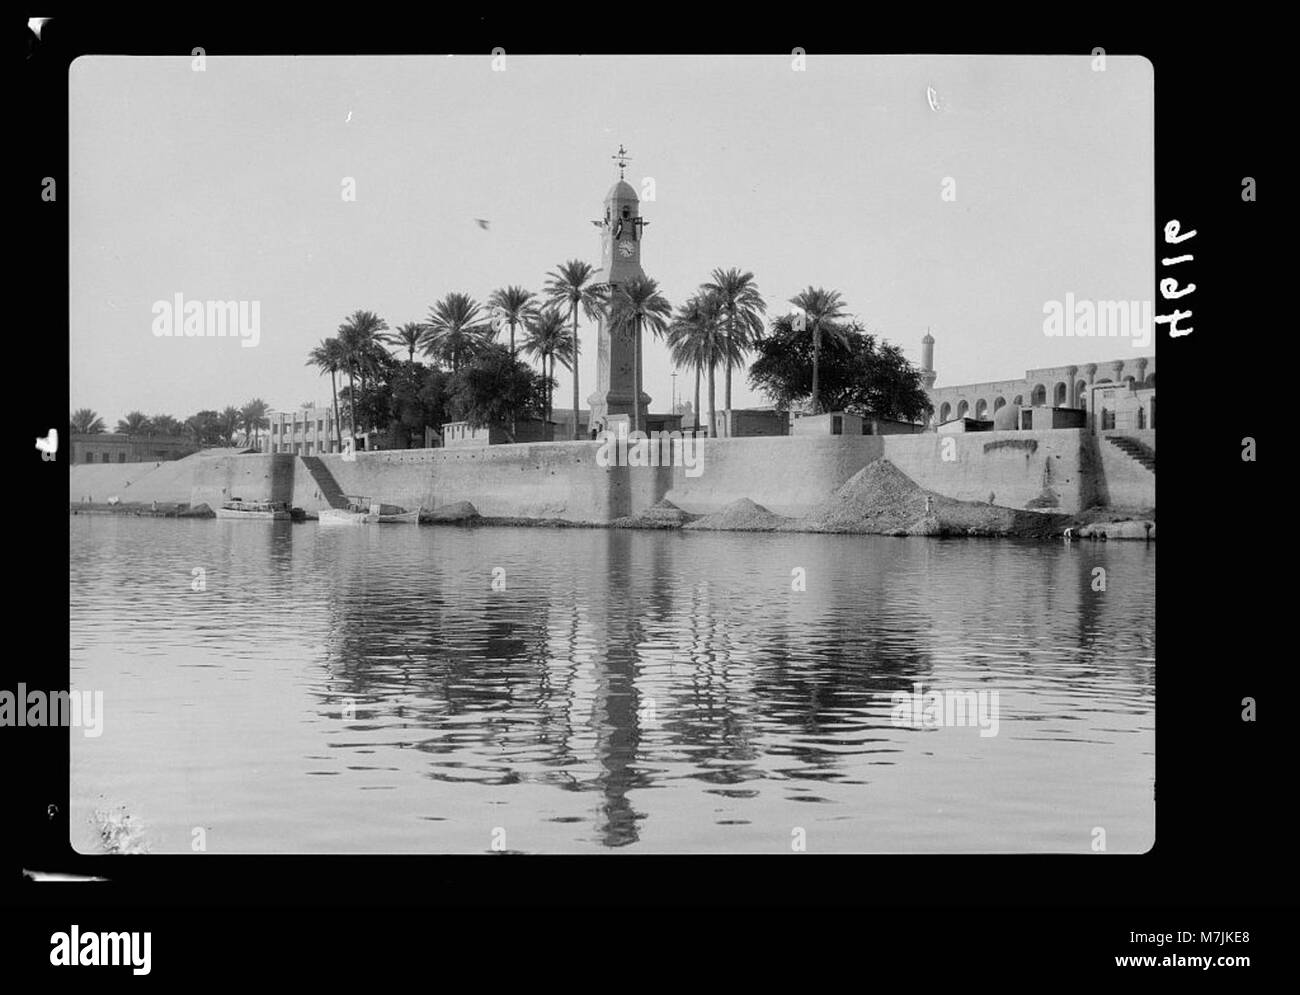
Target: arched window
999, 404
1059, 398
945, 409
962, 408
1038, 395
1150, 380
1019, 400
981, 409
1080, 394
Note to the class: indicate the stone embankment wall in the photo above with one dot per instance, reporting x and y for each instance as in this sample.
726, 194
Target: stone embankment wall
1063, 470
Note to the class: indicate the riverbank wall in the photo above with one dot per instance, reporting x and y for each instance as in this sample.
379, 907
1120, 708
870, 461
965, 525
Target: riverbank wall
1061, 470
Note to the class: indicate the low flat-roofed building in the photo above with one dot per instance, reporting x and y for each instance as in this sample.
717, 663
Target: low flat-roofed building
745, 422
562, 420
826, 423
965, 425
460, 434
116, 447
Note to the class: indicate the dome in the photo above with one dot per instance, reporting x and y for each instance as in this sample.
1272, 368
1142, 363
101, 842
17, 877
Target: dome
622, 190
1006, 418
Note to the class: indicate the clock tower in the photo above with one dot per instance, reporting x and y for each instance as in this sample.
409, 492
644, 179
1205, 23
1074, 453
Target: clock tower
620, 261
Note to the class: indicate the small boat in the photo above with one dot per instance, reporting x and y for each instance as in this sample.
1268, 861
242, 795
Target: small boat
391, 515
364, 511
255, 510
341, 516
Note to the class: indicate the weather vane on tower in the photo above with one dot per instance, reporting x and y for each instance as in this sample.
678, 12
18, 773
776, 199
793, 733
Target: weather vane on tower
622, 157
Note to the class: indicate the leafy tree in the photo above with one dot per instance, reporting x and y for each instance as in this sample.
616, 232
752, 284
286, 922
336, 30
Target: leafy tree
372, 399
420, 398
494, 389
856, 373
204, 428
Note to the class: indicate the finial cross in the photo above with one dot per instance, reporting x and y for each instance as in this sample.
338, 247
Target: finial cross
622, 157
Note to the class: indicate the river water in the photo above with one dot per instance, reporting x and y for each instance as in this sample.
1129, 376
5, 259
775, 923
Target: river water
400, 689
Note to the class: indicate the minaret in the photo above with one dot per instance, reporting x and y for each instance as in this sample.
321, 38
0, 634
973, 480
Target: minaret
928, 376
620, 261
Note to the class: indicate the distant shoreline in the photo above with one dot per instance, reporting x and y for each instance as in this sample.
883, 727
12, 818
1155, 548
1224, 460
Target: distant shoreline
1040, 526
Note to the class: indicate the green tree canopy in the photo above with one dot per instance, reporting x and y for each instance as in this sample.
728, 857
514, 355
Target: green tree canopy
857, 372
495, 389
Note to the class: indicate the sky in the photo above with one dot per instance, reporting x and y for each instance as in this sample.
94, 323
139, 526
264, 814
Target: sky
226, 184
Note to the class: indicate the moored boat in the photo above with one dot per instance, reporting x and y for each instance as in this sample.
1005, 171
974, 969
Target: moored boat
341, 516
238, 508
391, 514
364, 511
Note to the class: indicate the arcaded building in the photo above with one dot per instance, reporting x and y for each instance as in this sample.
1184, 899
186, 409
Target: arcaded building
1131, 399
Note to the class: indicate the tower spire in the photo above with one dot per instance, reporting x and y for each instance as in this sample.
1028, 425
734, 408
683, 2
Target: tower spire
622, 158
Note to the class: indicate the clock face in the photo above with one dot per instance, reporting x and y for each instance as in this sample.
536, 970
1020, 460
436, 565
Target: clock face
625, 249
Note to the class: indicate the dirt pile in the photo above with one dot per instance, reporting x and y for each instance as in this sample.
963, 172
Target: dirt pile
741, 516
882, 500
663, 515
879, 498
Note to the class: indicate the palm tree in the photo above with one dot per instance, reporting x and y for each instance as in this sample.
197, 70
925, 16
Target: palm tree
822, 310
328, 358
86, 422
358, 336
252, 417
696, 340
635, 306
547, 341
513, 305
407, 337
742, 309
569, 287
135, 423
454, 330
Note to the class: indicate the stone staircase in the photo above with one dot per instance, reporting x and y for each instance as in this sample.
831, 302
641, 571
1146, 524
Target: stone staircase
325, 482
1134, 449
